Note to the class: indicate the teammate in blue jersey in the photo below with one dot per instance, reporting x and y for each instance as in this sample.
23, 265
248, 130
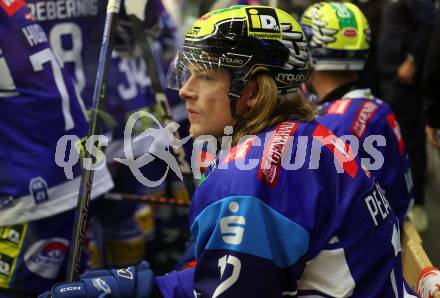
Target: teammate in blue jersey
338, 35
127, 225
74, 29
273, 216
39, 104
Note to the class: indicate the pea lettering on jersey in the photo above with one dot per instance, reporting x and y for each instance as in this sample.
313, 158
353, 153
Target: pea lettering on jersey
63, 9
377, 205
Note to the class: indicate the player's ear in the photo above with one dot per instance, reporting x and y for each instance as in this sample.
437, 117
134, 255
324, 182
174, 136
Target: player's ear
252, 93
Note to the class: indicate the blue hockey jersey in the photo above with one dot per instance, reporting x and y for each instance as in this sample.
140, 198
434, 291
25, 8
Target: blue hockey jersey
38, 105
352, 111
291, 225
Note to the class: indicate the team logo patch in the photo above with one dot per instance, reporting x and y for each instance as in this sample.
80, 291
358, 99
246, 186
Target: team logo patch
364, 115
46, 256
270, 167
38, 190
263, 23
12, 6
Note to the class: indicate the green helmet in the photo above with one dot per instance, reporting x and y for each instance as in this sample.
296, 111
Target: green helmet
244, 40
338, 35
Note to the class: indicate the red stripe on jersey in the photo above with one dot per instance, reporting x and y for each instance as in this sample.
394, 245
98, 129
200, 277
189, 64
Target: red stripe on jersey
12, 6
340, 150
269, 170
239, 151
364, 115
391, 119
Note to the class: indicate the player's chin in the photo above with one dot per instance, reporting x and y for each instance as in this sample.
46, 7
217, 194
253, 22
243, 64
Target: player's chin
196, 130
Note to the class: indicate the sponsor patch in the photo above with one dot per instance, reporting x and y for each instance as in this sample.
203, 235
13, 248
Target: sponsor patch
12, 6
339, 106
12, 234
6, 264
340, 150
269, 170
364, 115
193, 31
263, 23
46, 256
391, 119
350, 32
288, 78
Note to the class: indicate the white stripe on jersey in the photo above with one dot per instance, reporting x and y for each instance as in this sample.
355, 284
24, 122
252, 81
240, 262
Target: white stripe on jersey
62, 197
329, 274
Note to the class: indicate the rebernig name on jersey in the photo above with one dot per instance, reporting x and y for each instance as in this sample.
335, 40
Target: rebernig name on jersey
63, 9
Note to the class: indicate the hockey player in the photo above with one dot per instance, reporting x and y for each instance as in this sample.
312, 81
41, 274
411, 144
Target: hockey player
123, 227
274, 229
39, 104
338, 35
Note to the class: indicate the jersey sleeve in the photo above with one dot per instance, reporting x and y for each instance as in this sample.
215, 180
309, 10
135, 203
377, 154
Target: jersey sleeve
243, 245
394, 173
176, 284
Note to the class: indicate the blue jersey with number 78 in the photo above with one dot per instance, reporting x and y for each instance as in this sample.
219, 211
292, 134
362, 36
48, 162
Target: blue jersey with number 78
39, 103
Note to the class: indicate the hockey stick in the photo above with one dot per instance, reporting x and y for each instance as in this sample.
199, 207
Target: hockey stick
136, 11
85, 188
152, 199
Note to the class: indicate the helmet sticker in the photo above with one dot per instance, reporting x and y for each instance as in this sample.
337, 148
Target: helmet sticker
263, 23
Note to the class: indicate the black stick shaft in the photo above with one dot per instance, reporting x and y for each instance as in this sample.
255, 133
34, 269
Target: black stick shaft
85, 189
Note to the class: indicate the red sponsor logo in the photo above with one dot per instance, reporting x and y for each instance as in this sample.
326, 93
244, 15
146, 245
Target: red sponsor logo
12, 6
340, 150
269, 170
365, 113
350, 32
391, 119
339, 106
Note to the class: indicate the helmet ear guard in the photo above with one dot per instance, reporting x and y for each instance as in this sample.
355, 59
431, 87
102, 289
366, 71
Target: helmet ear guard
245, 40
338, 36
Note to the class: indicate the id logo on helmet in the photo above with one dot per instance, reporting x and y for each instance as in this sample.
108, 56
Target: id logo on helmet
262, 20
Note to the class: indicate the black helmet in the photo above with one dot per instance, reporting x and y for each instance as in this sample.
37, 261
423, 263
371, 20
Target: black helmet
244, 40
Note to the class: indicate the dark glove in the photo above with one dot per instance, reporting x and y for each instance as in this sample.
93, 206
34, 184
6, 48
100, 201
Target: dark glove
130, 282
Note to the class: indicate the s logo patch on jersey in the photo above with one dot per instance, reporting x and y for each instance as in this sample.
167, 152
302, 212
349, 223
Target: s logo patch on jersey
12, 6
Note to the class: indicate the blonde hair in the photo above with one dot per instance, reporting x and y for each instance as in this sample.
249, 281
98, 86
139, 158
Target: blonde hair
270, 109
